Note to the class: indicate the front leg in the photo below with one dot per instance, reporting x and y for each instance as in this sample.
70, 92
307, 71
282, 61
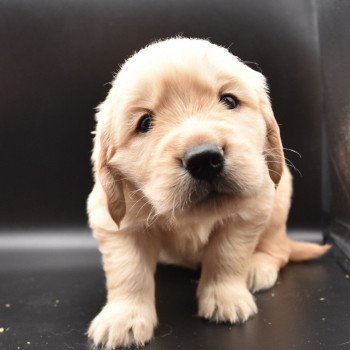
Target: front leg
129, 316
222, 291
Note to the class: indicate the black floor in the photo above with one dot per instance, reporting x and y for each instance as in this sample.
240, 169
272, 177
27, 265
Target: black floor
51, 286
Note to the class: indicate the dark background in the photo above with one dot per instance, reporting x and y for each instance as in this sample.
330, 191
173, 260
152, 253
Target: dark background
334, 35
58, 56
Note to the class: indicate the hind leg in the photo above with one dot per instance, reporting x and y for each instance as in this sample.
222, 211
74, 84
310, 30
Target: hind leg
263, 272
265, 264
273, 249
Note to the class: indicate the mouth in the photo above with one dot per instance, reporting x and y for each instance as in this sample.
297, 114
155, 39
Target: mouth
213, 197
215, 192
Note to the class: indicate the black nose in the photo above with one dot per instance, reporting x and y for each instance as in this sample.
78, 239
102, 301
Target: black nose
204, 162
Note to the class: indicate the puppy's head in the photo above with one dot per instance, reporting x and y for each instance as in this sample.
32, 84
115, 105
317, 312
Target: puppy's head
185, 124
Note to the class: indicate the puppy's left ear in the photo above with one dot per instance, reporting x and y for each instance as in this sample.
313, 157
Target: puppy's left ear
273, 147
110, 178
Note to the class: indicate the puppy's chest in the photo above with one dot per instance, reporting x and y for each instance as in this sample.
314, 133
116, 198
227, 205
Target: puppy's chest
188, 240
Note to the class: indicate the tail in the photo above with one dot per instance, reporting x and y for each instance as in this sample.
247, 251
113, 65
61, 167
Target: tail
301, 251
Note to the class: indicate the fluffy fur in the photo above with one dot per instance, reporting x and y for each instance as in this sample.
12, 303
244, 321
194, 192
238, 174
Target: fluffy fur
145, 207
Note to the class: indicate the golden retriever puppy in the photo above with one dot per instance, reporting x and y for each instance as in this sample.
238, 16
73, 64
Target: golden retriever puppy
189, 170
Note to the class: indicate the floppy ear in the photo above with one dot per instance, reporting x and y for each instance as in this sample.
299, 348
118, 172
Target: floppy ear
110, 178
273, 148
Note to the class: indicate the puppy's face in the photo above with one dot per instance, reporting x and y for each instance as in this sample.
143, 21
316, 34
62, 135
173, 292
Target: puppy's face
186, 124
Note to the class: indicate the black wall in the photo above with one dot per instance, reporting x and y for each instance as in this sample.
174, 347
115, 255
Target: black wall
57, 56
334, 28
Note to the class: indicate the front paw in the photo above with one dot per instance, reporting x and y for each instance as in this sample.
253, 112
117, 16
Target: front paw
226, 303
123, 324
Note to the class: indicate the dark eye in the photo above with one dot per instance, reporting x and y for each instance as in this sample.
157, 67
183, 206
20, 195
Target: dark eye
145, 123
230, 101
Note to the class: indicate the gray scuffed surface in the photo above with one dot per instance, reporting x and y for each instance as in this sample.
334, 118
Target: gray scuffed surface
50, 293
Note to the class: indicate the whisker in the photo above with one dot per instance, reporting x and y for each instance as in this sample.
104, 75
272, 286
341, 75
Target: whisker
151, 218
273, 171
285, 149
292, 150
288, 162
141, 198
137, 214
133, 193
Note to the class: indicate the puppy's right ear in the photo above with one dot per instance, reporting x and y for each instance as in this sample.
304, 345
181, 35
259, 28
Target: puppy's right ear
109, 177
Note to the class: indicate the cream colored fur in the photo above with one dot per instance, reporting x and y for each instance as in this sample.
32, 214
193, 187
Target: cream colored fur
146, 208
